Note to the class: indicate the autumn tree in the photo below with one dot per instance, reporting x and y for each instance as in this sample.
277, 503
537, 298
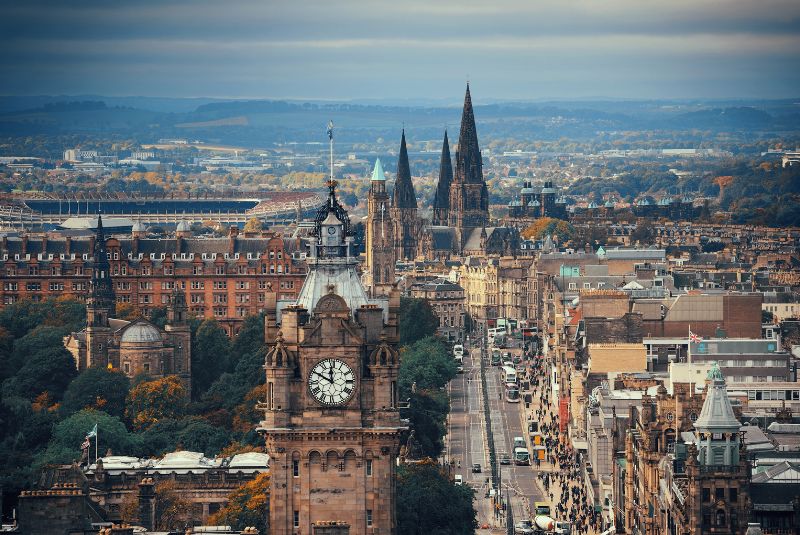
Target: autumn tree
151, 401
253, 225
127, 312
248, 505
170, 510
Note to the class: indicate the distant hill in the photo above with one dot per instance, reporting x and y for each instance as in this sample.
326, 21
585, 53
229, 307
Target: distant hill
258, 123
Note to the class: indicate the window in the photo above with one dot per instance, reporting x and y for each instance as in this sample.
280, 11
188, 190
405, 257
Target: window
127, 367
146, 367
720, 517
706, 519
573, 286
733, 496
198, 285
369, 467
197, 270
295, 468
297, 519
706, 495
369, 517
719, 493
10, 286
219, 270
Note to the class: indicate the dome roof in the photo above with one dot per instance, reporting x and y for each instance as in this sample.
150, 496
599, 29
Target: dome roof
141, 333
137, 227
534, 202
183, 226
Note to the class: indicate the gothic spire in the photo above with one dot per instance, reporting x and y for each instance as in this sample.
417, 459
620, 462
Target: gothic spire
101, 290
403, 196
469, 167
441, 200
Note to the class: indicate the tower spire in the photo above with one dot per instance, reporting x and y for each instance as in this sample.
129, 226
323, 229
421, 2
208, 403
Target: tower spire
403, 196
441, 200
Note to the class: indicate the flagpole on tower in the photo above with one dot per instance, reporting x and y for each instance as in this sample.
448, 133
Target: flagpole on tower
330, 138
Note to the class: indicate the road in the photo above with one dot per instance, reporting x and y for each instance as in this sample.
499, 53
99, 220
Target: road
467, 440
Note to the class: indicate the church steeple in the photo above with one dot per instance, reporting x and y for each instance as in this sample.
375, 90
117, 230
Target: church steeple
404, 208
441, 200
469, 197
403, 196
101, 296
469, 167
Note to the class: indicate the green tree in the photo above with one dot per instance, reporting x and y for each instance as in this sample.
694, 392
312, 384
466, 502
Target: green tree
210, 350
199, 435
98, 388
249, 340
427, 414
428, 503
417, 320
427, 362
47, 370
69, 434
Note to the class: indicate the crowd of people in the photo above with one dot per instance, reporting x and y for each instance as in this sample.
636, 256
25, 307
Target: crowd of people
562, 476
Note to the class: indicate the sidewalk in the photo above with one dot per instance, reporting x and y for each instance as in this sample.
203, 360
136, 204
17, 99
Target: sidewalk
565, 478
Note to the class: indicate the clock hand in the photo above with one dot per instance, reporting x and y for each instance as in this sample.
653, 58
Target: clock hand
321, 376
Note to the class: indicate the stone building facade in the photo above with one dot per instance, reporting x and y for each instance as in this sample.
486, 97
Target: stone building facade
221, 278
685, 471
331, 419
447, 301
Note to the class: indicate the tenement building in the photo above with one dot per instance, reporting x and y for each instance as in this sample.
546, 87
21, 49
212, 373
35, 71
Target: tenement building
447, 301
222, 278
331, 422
685, 472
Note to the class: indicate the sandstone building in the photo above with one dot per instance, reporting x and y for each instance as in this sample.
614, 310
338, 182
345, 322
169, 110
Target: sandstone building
331, 419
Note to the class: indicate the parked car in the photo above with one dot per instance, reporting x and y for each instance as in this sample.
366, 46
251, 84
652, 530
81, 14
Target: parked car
476, 468
523, 527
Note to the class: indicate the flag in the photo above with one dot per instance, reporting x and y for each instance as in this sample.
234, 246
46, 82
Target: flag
92, 433
693, 338
330, 130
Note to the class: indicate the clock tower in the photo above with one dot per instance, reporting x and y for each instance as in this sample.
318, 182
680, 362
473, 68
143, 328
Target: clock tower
331, 422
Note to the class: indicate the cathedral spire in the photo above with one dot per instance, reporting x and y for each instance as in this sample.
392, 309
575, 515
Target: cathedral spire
441, 200
469, 167
403, 196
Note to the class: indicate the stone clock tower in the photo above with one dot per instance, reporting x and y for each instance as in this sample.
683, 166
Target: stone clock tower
331, 422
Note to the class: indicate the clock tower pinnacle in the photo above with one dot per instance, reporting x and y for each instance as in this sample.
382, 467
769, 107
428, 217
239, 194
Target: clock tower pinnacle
331, 423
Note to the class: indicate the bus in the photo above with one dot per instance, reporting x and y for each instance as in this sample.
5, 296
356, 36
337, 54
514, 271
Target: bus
509, 376
521, 456
496, 357
512, 395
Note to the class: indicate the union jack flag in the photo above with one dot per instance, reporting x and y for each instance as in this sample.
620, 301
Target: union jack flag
693, 338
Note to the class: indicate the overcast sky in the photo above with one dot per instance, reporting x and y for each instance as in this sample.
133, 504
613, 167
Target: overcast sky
346, 49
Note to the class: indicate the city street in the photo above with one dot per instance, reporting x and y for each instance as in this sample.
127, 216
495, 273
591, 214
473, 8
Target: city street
467, 441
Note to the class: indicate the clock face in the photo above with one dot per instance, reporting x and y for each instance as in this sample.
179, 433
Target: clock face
331, 382
331, 230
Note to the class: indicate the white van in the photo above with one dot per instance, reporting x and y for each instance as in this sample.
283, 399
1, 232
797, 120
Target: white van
459, 359
458, 479
458, 349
